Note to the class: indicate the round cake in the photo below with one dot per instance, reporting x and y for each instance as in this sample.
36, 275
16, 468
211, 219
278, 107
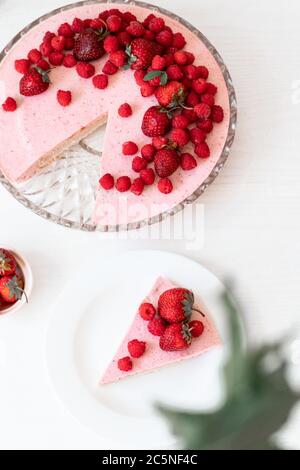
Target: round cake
153, 81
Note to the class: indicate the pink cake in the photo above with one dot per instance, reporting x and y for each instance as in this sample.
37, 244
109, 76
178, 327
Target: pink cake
154, 357
39, 130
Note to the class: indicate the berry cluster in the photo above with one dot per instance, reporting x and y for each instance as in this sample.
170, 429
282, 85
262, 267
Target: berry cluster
11, 279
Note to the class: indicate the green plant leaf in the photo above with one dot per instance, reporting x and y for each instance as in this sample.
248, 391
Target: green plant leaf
157, 73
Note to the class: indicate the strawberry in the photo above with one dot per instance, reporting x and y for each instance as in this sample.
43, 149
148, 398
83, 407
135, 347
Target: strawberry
34, 82
176, 305
166, 162
11, 288
88, 46
155, 122
140, 53
136, 348
8, 263
157, 326
171, 95
177, 337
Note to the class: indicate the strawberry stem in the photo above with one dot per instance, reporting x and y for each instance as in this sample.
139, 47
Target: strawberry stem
198, 311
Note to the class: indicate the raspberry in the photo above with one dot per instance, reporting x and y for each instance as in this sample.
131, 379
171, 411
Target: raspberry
192, 99
87, 23
159, 141
199, 86
211, 89
69, 61
159, 63
125, 110
109, 68
203, 111
64, 97
100, 81
197, 135
115, 11
148, 176
129, 148
114, 23
34, 56
217, 114
123, 37
136, 348
196, 328
48, 36
149, 35
188, 162
165, 186
46, 49
156, 25
123, 184
169, 58
147, 90
111, 44
178, 41
128, 17
203, 72
118, 58
148, 152
180, 58
43, 64
147, 20
56, 58
180, 137
137, 187
191, 72
104, 15
139, 164
191, 115
78, 25
139, 77
69, 44
125, 364
206, 126
165, 38
157, 326
207, 98
174, 72
85, 70
136, 29
10, 105
190, 58
202, 150
96, 23
107, 181
180, 122
147, 311
155, 81
22, 65
66, 30
58, 43
187, 83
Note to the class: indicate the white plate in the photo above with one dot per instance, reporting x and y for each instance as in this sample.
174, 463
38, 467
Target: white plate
85, 330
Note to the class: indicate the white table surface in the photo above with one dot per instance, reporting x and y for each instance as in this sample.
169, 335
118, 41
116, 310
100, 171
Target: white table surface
251, 215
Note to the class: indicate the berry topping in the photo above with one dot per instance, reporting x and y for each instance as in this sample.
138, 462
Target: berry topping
170, 95
123, 184
129, 148
148, 152
107, 181
8, 264
217, 114
206, 125
100, 81
148, 176
109, 68
181, 58
111, 44
159, 142
157, 326
22, 66
197, 135
180, 137
139, 77
156, 25
88, 46
34, 56
147, 311
69, 61
199, 85
165, 186
140, 53
176, 305
203, 111
188, 162
9, 105
196, 328
137, 186
174, 72
178, 41
11, 288
165, 38
177, 337
202, 150
136, 348
155, 122
64, 97
135, 29
138, 164
114, 23
118, 58
58, 43
34, 82
56, 58
207, 98
44, 65
166, 162
78, 25
147, 90
125, 364
180, 122
85, 70
66, 30
125, 110
159, 63
203, 72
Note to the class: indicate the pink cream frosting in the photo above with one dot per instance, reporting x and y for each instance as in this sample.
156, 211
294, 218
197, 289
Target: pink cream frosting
40, 124
154, 357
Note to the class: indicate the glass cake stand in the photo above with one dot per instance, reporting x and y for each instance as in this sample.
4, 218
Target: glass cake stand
65, 192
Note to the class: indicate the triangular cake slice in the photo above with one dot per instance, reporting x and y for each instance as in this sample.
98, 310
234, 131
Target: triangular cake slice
154, 357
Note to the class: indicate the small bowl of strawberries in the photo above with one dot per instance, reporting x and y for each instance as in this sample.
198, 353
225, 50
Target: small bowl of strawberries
15, 281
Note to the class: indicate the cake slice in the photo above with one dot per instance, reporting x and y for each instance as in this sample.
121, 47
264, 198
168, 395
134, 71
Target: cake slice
154, 357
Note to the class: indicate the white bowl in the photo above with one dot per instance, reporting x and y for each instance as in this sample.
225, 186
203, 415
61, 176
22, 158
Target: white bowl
28, 282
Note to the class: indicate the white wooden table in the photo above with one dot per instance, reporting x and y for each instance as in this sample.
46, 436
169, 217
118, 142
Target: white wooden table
251, 215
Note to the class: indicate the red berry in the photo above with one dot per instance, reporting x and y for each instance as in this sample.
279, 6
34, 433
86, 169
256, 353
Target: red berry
174, 72
139, 77
139, 164
199, 86
85, 70
34, 56
196, 328
149, 35
203, 111
43, 64
22, 66
206, 125
147, 311
197, 136
96, 23
157, 326
66, 30
10, 105
165, 38
114, 23
46, 49
155, 123
148, 176
180, 122
70, 42
217, 114
129, 148
123, 184
147, 90
136, 348
56, 58
178, 41
58, 43
148, 152
64, 97
48, 36
188, 162
128, 17
125, 364
118, 58
207, 98
107, 181
211, 88
78, 25
165, 186
125, 110
192, 99
159, 63
180, 58
156, 25
115, 11
69, 61
137, 186
190, 114
203, 72
202, 150
123, 37
136, 29
166, 162
159, 142
180, 137
148, 19
109, 68
100, 81
191, 72
87, 23
111, 44
169, 58
190, 58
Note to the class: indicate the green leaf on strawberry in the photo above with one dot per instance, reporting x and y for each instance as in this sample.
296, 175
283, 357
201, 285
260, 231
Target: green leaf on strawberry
157, 73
